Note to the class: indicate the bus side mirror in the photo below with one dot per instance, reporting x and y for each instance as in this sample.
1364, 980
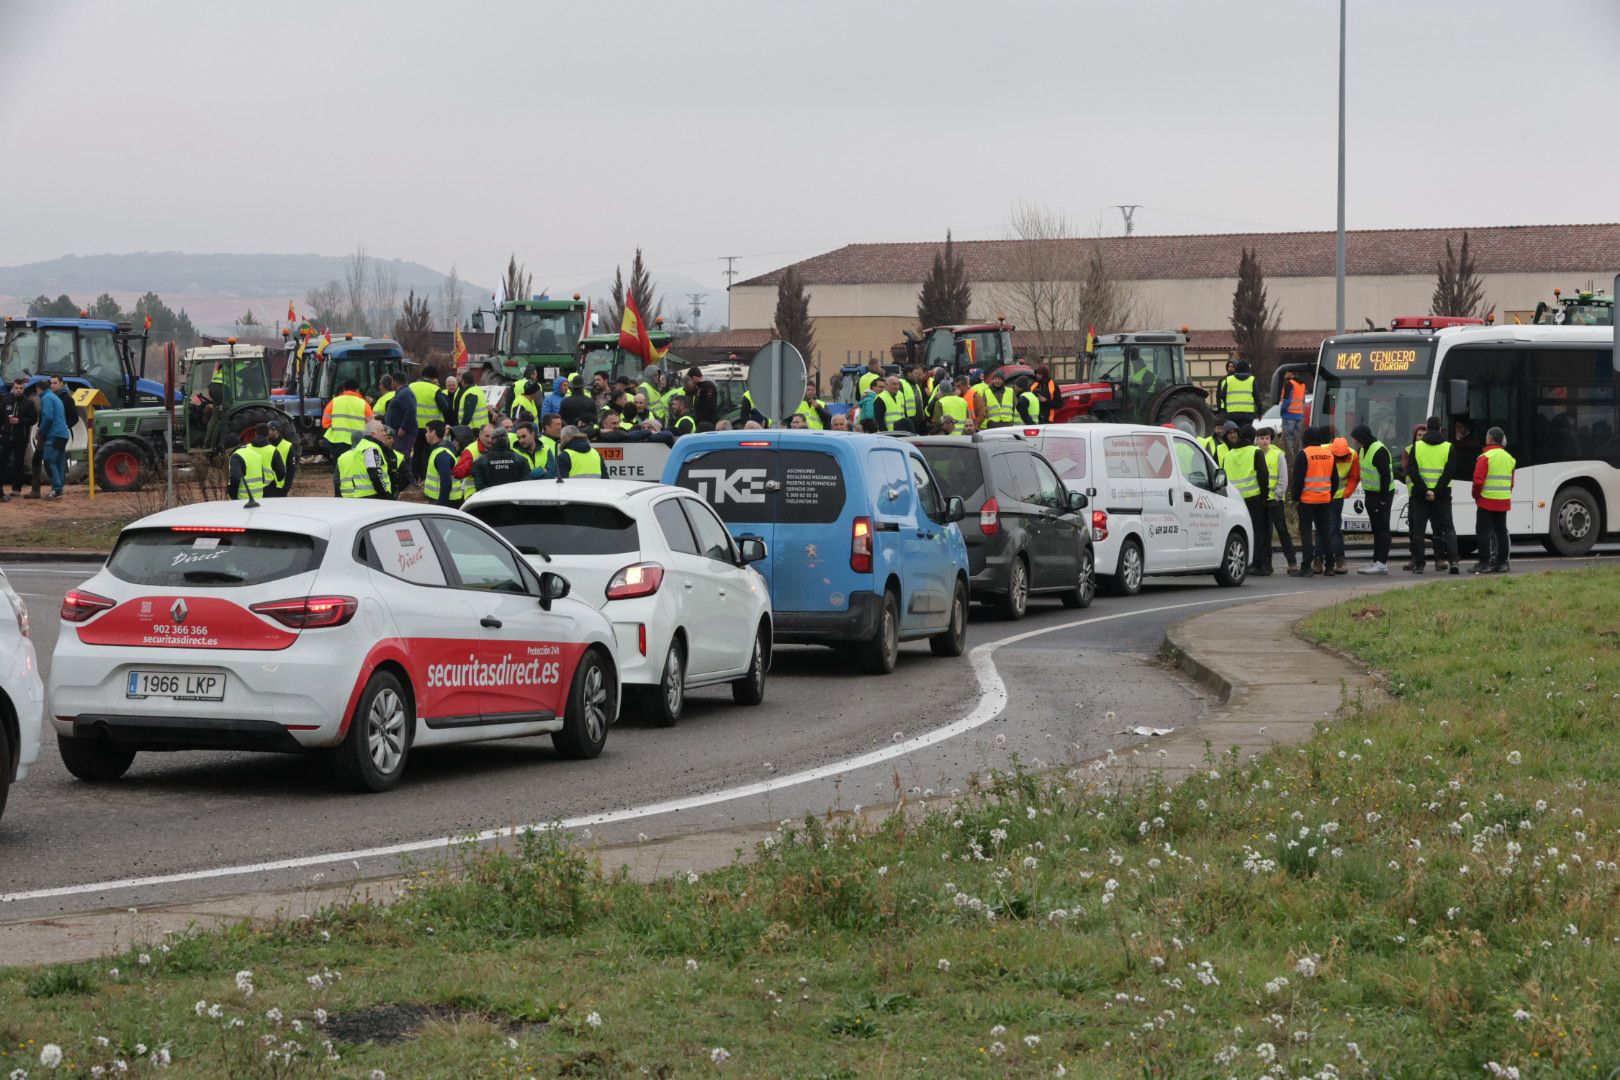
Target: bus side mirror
1457, 393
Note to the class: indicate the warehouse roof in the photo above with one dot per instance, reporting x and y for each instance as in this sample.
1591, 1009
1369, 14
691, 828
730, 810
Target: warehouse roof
1496, 249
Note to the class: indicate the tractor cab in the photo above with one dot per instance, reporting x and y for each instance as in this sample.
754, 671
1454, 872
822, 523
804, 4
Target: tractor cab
85, 352
322, 373
962, 348
601, 354
543, 332
1141, 378
845, 395
1585, 308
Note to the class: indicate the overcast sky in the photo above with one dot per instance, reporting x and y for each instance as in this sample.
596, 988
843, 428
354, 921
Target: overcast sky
455, 132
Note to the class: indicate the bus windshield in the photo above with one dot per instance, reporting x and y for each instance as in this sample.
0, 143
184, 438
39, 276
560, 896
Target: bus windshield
544, 333
1382, 384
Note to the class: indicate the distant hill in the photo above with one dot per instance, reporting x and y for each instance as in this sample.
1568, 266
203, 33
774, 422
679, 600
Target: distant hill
214, 289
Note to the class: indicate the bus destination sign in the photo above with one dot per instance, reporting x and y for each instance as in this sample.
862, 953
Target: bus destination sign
1376, 359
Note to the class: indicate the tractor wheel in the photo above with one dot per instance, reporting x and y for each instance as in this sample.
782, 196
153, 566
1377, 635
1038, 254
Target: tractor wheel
254, 417
1188, 411
123, 464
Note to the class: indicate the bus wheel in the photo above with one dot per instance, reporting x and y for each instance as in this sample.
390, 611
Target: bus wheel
1575, 522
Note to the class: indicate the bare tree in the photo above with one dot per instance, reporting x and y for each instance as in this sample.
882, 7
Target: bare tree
1458, 289
356, 289
1060, 283
792, 323
323, 307
1255, 319
383, 297
1102, 299
414, 328
451, 300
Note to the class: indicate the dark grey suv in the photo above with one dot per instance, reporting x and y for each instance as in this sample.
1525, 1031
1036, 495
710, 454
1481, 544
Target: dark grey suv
1030, 536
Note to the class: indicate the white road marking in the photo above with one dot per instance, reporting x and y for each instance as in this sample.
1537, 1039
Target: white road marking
992, 699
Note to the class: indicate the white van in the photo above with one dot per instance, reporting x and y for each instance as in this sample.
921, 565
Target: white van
1158, 503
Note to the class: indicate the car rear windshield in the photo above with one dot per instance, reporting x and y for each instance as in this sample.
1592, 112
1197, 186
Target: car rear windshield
193, 557
958, 471
561, 528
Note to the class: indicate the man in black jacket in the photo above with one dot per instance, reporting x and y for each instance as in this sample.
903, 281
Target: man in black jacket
1378, 489
498, 465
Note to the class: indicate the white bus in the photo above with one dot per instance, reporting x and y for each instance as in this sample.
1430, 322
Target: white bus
1552, 389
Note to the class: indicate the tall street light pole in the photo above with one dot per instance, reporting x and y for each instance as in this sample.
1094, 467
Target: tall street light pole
1338, 260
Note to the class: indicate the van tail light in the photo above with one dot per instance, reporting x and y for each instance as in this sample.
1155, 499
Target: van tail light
1099, 524
860, 546
309, 612
637, 579
1032, 432
990, 517
78, 605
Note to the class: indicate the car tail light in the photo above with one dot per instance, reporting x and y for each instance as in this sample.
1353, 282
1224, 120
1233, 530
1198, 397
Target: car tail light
990, 517
641, 638
309, 612
860, 546
1099, 525
1032, 431
751, 443
207, 529
78, 605
638, 579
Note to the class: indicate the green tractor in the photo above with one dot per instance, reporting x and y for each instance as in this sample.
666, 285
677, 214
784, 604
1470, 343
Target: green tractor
1585, 308
600, 353
227, 392
543, 332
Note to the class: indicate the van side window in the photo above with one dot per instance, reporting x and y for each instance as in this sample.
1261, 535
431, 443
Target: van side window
1195, 466
928, 496
1068, 457
1144, 457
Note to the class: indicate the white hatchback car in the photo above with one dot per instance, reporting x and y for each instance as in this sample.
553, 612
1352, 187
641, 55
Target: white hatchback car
22, 695
362, 628
687, 608
1159, 504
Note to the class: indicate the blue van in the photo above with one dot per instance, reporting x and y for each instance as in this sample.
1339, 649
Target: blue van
862, 548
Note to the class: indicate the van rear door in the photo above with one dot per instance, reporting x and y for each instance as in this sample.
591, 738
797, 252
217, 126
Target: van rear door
740, 483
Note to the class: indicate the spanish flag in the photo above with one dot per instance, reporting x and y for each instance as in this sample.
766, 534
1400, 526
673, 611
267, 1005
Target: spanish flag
326, 339
292, 316
633, 337
459, 360
146, 323
972, 349
1091, 339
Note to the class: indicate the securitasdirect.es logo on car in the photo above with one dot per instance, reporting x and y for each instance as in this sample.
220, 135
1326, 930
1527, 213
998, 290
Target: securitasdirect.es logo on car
738, 486
502, 672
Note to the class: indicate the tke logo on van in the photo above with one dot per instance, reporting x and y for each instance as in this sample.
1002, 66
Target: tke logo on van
719, 486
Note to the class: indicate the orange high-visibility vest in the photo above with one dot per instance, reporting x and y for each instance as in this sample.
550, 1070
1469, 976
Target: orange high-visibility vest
1318, 476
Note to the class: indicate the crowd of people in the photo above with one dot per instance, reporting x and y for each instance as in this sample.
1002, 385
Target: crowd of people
36, 421
1327, 469
924, 402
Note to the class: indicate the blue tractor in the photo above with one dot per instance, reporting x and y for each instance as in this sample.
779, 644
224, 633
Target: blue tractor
313, 380
110, 357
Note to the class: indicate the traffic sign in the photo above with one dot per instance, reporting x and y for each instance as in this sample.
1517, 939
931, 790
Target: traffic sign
776, 380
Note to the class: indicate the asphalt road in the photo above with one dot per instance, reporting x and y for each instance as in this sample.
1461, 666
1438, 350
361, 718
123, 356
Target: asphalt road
202, 824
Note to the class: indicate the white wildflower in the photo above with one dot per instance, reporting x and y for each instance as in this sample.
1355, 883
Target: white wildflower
1306, 967
50, 1056
594, 1019
1520, 1015
944, 965
998, 1031
1032, 1041
719, 1055
244, 982
1514, 758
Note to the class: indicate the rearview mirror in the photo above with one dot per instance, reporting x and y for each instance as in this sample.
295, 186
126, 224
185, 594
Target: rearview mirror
552, 587
1457, 397
1078, 500
751, 549
1220, 479
955, 510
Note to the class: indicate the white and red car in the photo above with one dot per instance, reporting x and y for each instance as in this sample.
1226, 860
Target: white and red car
362, 629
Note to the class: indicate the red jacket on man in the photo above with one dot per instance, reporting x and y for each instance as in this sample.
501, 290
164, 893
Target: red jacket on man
1481, 469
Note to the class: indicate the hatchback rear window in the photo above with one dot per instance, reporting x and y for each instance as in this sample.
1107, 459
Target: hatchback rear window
958, 470
561, 528
172, 558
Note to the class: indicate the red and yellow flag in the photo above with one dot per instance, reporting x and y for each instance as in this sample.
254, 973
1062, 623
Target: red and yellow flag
971, 347
326, 339
292, 316
146, 323
460, 358
633, 337
1091, 339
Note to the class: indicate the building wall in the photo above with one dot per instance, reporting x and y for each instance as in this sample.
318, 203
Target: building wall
860, 318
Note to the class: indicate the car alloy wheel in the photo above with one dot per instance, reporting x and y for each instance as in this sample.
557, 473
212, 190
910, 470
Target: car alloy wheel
674, 682
385, 731
595, 700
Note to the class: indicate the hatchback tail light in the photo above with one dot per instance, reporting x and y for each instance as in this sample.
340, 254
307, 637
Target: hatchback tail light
990, 517
1099, 525
860, 546
638, 579
309, 612
78, 605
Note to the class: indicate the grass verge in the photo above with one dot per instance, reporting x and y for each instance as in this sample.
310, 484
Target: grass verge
1427, 888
